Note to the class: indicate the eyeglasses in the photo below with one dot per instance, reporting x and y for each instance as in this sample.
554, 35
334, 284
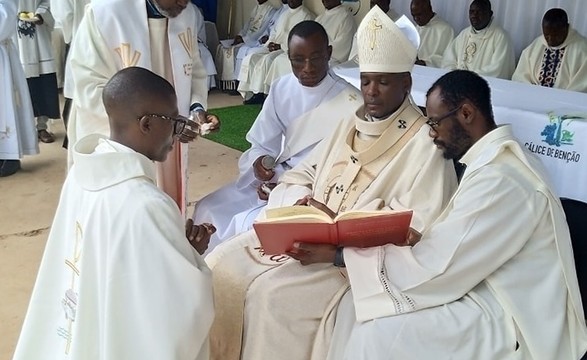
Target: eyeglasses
314, 61
179, 122
435, 122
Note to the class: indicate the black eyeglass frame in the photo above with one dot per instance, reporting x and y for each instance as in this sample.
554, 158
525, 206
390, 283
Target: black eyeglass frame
434, 122
179, 123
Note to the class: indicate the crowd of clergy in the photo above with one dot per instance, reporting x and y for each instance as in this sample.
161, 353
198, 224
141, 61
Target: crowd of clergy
485, 272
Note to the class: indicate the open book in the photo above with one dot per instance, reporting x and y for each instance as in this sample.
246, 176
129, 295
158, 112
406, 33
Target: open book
286, 225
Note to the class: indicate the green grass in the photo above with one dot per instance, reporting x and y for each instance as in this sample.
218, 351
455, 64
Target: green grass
235, 122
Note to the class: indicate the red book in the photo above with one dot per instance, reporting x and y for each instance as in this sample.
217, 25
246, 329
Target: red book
287, 225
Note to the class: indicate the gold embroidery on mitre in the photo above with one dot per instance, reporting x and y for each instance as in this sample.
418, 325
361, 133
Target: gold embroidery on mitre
127, 56
374, 26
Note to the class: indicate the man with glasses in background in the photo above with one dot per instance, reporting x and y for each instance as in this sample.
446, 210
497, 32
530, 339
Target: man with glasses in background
122, 276
381, 158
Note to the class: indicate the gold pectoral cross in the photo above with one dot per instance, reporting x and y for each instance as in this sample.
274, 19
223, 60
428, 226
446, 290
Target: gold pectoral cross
374, 26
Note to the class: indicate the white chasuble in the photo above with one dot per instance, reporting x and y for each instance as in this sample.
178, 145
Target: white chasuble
398, 167
118, 279
498, 255
110, 40
18, 134
562, 67
488, 52
434, 39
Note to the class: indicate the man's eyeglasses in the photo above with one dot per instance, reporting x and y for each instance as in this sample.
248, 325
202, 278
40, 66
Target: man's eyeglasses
314, 61
179, 122
434, 122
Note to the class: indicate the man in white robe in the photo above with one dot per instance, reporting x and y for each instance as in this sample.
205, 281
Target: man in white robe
205, 55
255, 66
484, 47
119, 279
435, 33
494, 276
340, 26
18, 136
158, 35
557, 57
36, 55
381, 158
287, 129
254, 33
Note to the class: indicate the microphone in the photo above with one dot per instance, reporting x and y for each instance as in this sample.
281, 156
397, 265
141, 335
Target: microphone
268, 162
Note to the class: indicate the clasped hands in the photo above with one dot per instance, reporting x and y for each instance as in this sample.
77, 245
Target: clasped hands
309, 253
191, 130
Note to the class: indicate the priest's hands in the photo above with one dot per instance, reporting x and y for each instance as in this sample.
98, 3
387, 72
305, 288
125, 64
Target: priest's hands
308, 254
202, 124
273, 46
39, 20
264, 39
262, 173
310, 201
199, 235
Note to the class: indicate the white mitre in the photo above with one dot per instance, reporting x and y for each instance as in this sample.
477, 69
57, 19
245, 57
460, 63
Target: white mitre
385, 46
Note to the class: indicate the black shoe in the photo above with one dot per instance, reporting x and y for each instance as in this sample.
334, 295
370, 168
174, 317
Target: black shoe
233, 93
9, 167
257, 99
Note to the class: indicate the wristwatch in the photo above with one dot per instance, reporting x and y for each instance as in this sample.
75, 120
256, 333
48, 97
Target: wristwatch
339, 257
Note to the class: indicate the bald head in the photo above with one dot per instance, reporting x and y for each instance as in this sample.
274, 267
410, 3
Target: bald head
130, 92
421, 11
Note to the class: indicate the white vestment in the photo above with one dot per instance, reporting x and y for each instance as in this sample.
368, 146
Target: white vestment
205, 55
562, 67
18, 135
488, 52
118, 279
396, 167
258, 24
116, 34
287, 128
34, 41
340, 27
493, 277
256, 64
434, 40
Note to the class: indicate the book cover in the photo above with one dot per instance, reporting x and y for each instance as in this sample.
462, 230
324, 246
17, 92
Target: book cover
285, 226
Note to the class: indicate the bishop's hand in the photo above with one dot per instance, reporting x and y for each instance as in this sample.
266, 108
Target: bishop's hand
308, 254
310, 201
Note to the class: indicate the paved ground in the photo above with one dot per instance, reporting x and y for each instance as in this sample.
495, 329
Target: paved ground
29, 199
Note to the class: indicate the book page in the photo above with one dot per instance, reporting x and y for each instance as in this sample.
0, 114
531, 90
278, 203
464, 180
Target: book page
357, 214
296, 213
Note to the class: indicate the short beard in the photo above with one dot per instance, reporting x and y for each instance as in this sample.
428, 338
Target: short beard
459, 142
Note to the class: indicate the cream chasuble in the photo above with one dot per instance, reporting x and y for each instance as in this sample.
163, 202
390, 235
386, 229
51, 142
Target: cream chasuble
488, 52
434, 39
396, 166
118, 279
562, 67
128, 43
498, 255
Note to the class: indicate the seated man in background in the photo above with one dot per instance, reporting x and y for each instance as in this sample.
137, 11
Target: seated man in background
205, 55
340, 27
435, 33
254, 33
287, 129
484, 47
255, 66
557, 57
493, 277
380, 158
117, 250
